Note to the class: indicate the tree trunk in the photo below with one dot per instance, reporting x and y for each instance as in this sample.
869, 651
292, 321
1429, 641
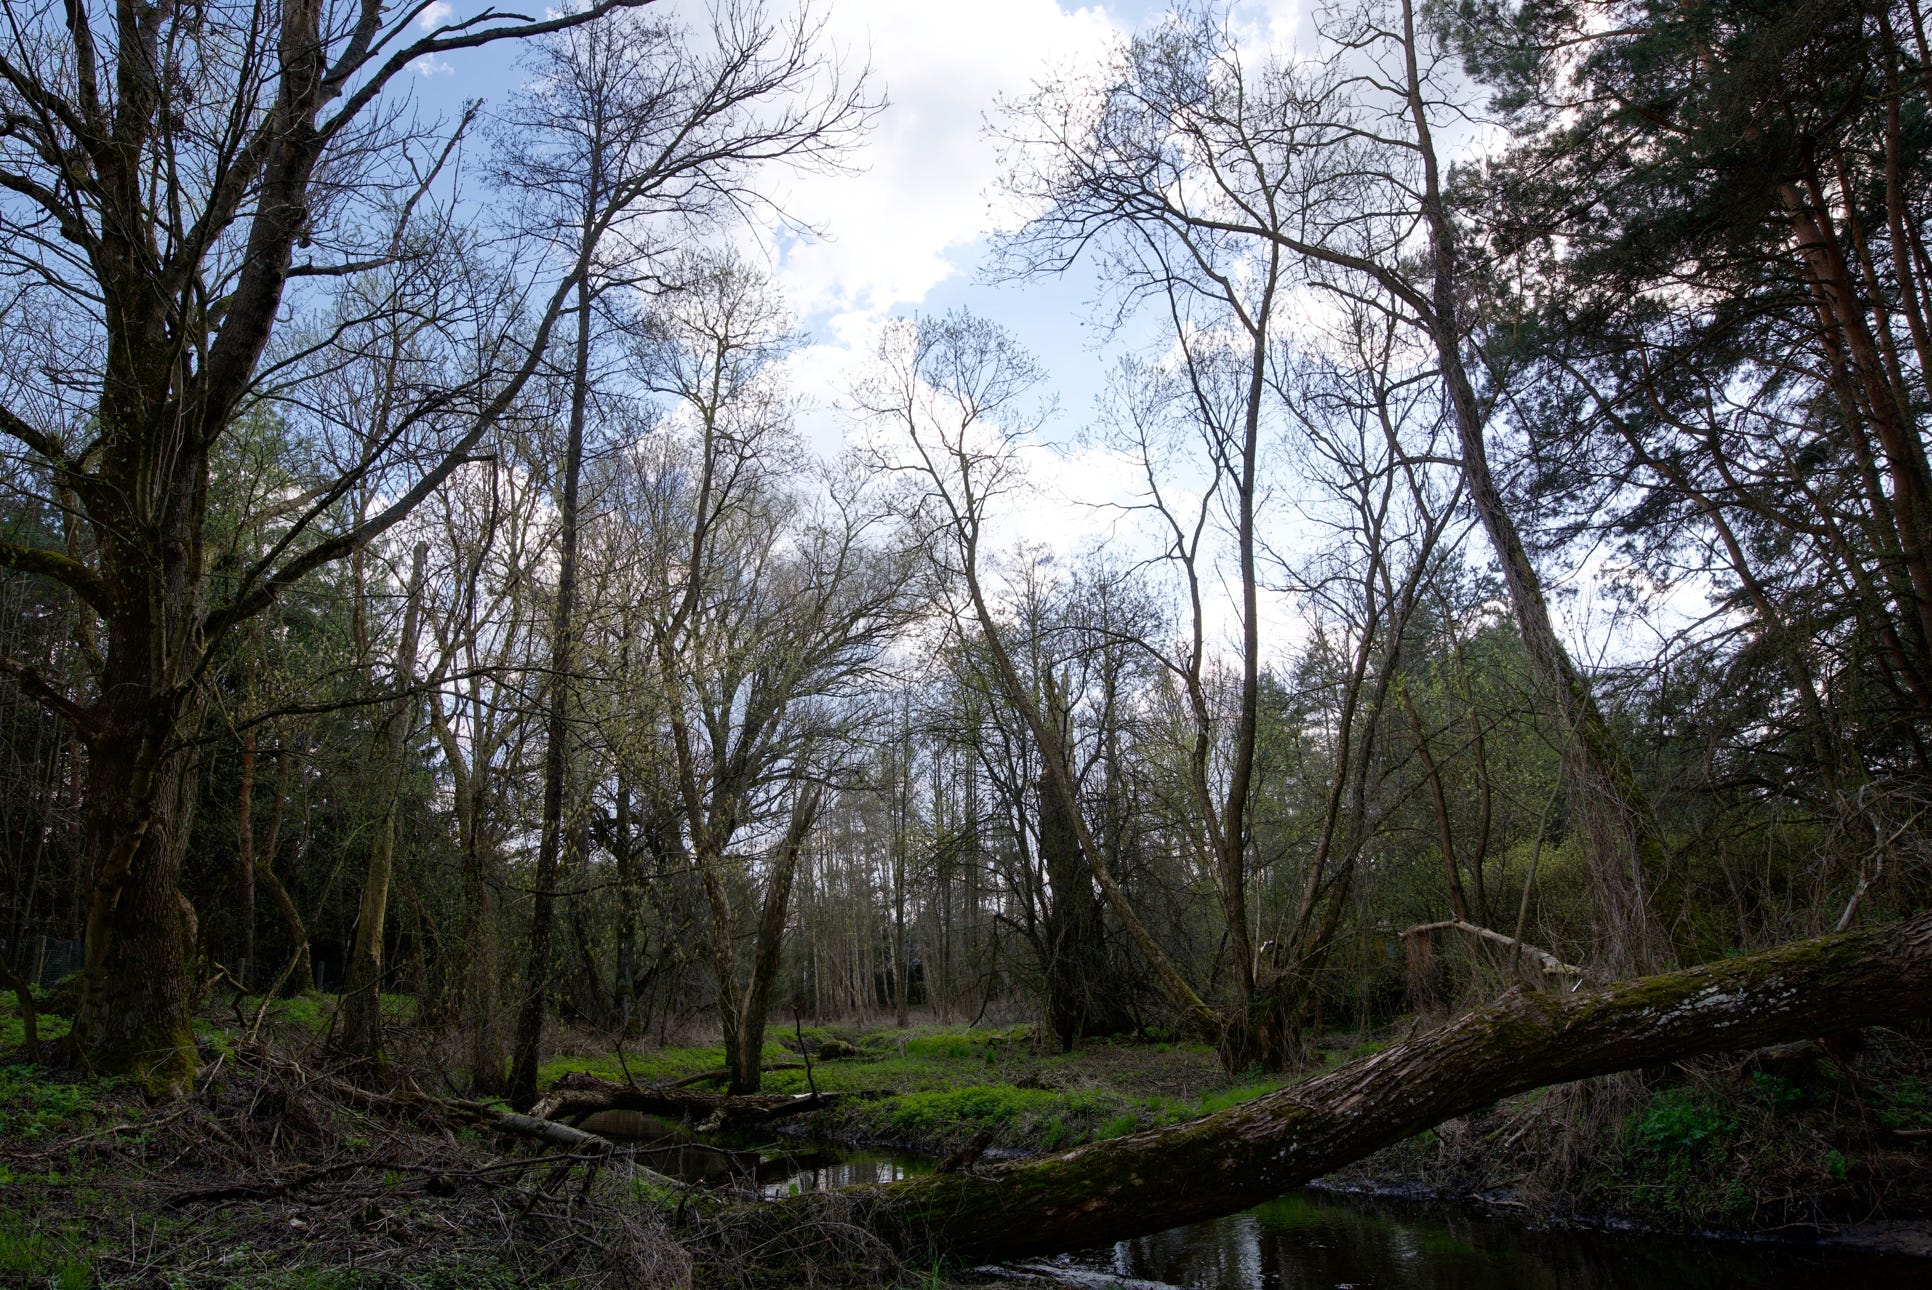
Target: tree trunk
1614, 816
556, 761
482, 992
901, 969
630, 895
245, 861
135, 988
302, 978
361, 1035
745, 1028
1081, 997
1227, 1162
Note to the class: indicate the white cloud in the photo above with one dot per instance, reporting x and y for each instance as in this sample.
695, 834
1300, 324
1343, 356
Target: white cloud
916, 215
901, 228
435, 15
433, 65
917, 218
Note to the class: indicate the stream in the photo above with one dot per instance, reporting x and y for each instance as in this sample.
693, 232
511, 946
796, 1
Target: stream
1307, 1240
1310, 1239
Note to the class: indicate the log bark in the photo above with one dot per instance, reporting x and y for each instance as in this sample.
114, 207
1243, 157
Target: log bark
1227, 1162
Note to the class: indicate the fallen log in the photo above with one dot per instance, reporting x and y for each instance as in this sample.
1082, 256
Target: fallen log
1227, 1162
577, 1095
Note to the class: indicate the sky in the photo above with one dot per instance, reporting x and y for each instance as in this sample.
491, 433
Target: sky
909, 233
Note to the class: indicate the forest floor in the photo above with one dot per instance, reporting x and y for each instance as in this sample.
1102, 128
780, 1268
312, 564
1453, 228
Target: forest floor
933, 1088
1802, 1140
275, 1174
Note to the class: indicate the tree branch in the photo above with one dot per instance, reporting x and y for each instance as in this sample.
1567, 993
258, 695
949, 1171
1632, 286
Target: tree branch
59, 566
33, 684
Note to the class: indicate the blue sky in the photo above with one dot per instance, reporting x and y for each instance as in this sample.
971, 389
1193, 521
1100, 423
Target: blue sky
909, 233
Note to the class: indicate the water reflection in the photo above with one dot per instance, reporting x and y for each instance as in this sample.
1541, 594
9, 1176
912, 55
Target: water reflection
1304, 1241
1313, 1240
774, 1167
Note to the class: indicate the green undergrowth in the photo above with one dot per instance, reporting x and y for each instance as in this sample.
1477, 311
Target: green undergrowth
13, 1031
1756, 1150
40, 1112
35, 1102
934, 1088
314, 1010
1795, 1141
42, 1254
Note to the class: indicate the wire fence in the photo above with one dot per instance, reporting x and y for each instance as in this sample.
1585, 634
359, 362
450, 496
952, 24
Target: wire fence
42, 960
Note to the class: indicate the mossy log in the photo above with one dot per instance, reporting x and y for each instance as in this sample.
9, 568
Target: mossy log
1239, 1157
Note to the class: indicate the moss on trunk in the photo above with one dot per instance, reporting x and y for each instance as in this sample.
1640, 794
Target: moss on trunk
1226, 1162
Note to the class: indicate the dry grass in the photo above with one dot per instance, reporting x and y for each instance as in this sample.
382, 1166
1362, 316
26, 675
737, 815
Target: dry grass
281, 1171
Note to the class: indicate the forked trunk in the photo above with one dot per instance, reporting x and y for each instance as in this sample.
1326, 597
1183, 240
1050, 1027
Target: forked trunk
744, 1019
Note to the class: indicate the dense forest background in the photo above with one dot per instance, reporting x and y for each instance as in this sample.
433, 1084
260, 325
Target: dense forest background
415, 580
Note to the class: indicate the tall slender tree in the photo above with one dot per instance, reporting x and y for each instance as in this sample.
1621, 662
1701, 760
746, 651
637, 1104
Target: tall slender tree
636, 136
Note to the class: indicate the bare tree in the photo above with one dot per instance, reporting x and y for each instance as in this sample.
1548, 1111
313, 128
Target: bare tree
954, 392
360, 1016
634, 137
1336, 165
170, 174
765, 611
483, 617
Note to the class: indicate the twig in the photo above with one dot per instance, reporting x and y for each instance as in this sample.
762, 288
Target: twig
306, 1177
268, 996
624, 1063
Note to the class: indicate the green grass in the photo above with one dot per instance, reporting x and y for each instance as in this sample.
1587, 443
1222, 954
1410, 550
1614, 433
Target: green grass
1222, 1099
311, 1011
32, 1254
315, 1010
935, 1087
13, 1033
33, 1104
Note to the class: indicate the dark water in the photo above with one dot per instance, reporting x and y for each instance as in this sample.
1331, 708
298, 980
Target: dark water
1308, 1240
1311, 1240
772, 1166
